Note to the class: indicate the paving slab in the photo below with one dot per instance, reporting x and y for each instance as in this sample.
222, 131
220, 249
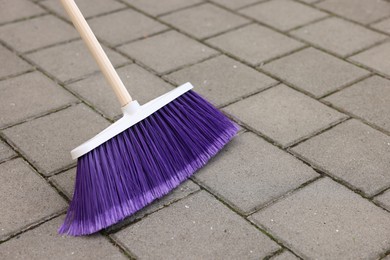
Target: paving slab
251, 172
26, 198
204, 20
338, 36
315, 72
373, 58
22, 36
362, 11
363, 155
15, 65
89, 8
124, 26
158, 7
47, 141
222, 80
235, 4
255, 43
65, 182
5, 152
142, 85
368, 99
200, 221
30, 95
383, 26
43, 242
384, 199
325, 220
71, 60
157, 53
18, 9
283, 14
284, 115
285, 255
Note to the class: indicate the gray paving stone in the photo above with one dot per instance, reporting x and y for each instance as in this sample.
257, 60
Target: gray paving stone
384, 199
142, 85
18, 9
65, 182
283, 14
325, 220
368, 99
15, 64
200, 221
235, 4
338, 36
43, 242
5, 152
25, 198
250, 173
89, 8
255, 43
158, 7
47, 141
204, 20
373, 58
284, 114
71, 60
362, 11
22, 36
123, 26
285, 255
222, 79
29, 95
309, 1
314, 71
383, 26
157, 52
363, 155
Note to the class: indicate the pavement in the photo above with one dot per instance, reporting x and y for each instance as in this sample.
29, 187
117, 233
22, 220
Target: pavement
308, 81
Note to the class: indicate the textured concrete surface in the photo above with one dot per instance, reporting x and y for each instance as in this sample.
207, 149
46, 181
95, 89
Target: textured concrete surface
307, 80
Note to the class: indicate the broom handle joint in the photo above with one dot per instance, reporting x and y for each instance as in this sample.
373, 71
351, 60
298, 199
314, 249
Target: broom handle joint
97, 51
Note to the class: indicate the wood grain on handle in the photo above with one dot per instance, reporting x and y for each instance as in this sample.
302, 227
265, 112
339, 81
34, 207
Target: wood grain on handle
97, 51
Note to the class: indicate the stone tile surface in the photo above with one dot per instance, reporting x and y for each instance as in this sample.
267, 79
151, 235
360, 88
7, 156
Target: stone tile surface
285, 255
249, 182
284, 114
383, 26
43, 242
384, 199
5, 152
314, 71
158, 7
235, 4
141, 84
55, 136
129, 25
283, 14
22, 97
373, 58
222, 79
368, 99
22, 36
18, 9
25, 198
325, 220
204, 20
15, 65
338, 36
363, 155
255, 44
71, 60
362, 11
65, 182
89, 8
157, 53
200, 221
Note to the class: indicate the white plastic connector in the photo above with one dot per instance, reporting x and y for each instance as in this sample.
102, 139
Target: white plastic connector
132, 114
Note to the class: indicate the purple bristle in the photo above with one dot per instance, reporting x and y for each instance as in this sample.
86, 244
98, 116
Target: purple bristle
145, 162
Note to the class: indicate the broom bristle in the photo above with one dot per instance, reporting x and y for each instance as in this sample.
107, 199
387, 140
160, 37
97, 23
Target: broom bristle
145, 162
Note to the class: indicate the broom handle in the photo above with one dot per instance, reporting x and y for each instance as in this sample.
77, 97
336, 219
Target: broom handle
97, 51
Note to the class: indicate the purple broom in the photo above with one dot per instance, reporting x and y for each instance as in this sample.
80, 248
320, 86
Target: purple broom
145, 154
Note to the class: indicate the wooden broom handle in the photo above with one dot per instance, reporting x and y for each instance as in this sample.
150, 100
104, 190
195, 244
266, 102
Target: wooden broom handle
97, 51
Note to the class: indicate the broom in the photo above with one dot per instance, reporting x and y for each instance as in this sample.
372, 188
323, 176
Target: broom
145, 154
